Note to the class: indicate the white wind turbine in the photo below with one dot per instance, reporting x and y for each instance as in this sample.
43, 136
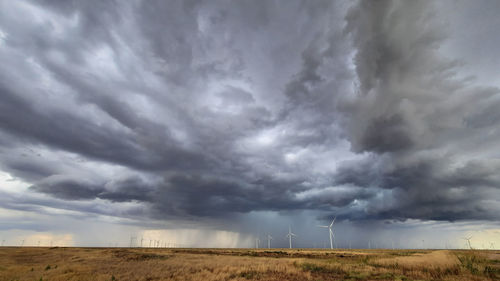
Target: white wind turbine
330, 231
289, 235
468, 241
257, 241
269, 238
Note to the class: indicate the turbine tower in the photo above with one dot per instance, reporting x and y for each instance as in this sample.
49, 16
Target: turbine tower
257, 241
269, 238
468, 241
289, 236
330, 231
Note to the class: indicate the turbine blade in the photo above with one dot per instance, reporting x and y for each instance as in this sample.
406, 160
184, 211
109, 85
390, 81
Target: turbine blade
333, 221
325, 226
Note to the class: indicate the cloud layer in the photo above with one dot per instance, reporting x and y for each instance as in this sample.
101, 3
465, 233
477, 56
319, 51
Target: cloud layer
188, 110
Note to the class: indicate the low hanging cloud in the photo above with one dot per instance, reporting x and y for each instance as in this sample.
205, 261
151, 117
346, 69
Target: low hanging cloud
206, 110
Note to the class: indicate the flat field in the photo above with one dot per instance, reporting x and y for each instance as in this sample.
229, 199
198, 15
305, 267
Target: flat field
245, 264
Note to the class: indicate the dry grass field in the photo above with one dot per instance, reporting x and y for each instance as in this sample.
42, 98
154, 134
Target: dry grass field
245, 264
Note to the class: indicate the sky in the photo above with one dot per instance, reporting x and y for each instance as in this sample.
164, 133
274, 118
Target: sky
213, 123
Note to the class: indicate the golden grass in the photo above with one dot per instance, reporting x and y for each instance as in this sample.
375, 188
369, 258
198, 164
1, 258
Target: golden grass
432, 259
243, 264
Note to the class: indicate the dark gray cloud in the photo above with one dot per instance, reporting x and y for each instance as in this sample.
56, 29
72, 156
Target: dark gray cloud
192, 109
387, 134
428, 190
75, 188
416, 113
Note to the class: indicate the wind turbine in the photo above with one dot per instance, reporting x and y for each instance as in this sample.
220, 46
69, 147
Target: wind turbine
269, 238
289, 235
468, 241
330, 231
257, 241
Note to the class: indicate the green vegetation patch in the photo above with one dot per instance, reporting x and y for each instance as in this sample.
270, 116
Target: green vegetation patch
479, 265
316, 268
248, 274
356, 275
405, 253
133, 256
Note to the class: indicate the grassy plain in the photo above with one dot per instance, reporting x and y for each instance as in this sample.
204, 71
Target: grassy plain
113, 264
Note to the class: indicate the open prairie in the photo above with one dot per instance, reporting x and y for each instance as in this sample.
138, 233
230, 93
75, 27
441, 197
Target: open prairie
245, 264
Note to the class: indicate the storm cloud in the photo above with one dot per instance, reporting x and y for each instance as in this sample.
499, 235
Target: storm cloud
212, 109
